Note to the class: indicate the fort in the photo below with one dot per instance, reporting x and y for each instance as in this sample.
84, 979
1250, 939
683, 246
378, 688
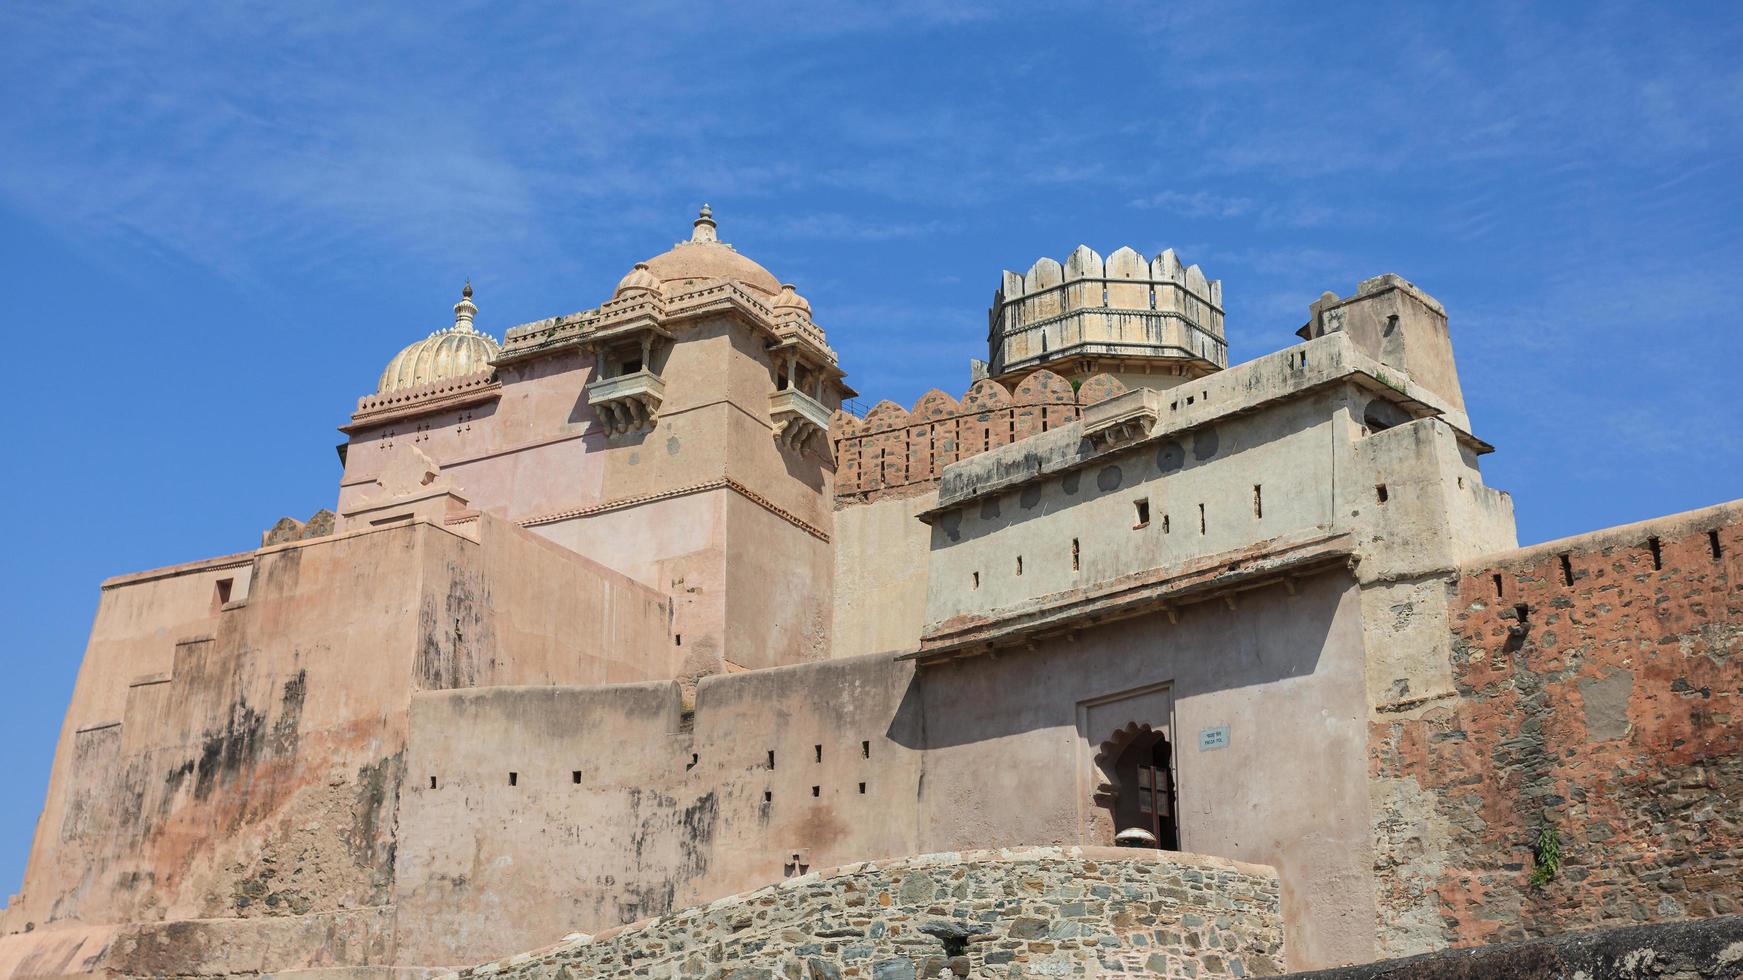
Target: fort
626, 648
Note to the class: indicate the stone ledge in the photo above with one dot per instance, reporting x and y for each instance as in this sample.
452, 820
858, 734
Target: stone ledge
1707, 949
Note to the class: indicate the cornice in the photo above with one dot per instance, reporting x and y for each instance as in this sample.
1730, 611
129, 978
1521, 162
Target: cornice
722, 483
436, 396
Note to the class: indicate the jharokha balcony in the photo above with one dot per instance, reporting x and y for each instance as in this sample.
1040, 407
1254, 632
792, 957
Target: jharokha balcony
799, 419
628, 402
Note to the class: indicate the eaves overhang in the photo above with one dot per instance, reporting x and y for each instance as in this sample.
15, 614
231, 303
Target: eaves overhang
1220, 577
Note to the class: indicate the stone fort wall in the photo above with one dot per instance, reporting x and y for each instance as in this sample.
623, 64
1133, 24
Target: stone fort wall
1059, 912
1599, 695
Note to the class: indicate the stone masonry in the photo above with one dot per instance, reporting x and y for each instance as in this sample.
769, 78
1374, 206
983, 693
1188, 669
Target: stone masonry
1598, 701
1054, 912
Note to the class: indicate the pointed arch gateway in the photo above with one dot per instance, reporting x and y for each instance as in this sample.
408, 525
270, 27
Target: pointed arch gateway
1136, 766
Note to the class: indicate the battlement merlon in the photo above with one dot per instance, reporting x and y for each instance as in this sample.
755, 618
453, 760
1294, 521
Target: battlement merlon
1151, 322
1144, 415
1398, 324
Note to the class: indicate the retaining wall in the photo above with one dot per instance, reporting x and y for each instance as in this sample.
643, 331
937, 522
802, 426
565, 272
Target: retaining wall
1057, 912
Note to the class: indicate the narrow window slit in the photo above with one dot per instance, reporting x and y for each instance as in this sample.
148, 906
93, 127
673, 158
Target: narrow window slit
1657, 553
768, 796
1142, 507
1201, 518
817, 750
771, 758
1567, 570
1497, 586
1076, 561
977, 580
1380, 492
1258, 501
1164, 523
514, 779
1019, 564
865, 750
816, 791
1713, 543
432, 782
862, 789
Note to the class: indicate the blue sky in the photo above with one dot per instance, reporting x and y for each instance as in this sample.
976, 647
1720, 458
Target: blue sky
218, 222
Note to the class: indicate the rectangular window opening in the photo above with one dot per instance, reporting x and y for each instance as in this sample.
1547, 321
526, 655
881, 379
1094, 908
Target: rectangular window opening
1201, 518
1076, 559
977, 580
1523, 611
1380, 492
1567, 569
1164, 523
1258, 501
1497, 586
768, 796
1142, 507
1713, 543
222, 593
677, 639
514, 779
817, 750
1657, 554
816, 791
1019, 564
865, 750
575, 776
771, 758
862, 789
432, 782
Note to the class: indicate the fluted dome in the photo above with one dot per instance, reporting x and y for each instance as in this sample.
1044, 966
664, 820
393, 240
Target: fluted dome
452, 353
639, 280
789, 299
704, 256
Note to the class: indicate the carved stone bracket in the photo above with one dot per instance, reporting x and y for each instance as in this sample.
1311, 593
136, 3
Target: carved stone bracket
629, 402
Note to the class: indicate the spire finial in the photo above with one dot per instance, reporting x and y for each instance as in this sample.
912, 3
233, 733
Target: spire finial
704, 226
465, 309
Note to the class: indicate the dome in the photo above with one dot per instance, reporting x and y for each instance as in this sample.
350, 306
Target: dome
452, 353
640, 279
706, 257
789, 299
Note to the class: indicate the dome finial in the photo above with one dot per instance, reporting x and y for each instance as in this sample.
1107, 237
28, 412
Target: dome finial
703, 228
465, 309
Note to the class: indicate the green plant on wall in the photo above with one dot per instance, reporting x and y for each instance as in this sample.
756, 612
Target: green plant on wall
1545, 856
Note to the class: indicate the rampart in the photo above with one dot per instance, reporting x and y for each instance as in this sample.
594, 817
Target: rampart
1586, 766
1058, 912
897, 453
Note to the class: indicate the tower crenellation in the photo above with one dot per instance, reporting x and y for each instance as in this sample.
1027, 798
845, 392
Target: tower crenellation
1151, 319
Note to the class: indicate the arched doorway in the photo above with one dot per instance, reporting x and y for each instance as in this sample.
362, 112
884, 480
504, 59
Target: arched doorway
1138, 785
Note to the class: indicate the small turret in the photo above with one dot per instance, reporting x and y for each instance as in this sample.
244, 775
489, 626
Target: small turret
1152, 322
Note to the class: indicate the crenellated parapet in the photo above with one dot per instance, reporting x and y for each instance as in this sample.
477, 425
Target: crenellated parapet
899, 452
1122, 314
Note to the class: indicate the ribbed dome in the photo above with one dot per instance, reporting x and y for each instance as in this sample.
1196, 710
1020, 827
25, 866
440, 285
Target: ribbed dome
789, 299
639, 280
452, 353
706, 257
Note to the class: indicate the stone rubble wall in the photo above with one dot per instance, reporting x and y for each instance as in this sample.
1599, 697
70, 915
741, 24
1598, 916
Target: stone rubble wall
897, 452
1704, 949
1599, 696
1056, 912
